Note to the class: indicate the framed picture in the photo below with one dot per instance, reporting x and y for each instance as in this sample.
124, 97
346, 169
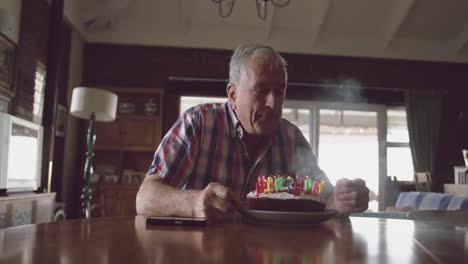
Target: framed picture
7, 65
61, 121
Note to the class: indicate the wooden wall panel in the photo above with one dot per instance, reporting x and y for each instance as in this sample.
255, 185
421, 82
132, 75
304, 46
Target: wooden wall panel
32, 47
151, 66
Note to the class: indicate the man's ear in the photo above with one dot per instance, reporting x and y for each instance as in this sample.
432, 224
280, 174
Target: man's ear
231, 93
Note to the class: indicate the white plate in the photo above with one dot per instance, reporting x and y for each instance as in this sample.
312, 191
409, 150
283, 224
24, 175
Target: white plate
291, 217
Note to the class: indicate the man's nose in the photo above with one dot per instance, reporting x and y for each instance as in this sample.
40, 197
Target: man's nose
273, 100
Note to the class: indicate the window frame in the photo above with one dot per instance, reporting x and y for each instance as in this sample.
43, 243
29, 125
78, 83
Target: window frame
314, 121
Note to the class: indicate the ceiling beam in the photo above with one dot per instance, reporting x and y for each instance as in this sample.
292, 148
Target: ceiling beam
396, 18
461, 41
322, 9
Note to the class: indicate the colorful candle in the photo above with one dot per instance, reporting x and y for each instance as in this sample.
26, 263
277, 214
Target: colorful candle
321, 185
260, 184
289, 182
279, 183
300, 185
270, 184
315, 187
307, 184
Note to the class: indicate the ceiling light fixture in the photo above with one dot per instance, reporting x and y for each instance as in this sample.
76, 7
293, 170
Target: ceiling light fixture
225, 7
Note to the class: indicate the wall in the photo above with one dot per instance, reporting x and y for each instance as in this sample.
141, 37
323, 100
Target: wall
32, 49
33, 44
143, 66
122, 65
71, 169
10, 11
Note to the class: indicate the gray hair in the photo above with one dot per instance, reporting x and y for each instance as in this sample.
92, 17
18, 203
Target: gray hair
244, 52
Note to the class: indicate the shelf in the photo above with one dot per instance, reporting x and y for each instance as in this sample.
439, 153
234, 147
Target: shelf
153, 118
128, 143
124, 148
133, 90
116, 186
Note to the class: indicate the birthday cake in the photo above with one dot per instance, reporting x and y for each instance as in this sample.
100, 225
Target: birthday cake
275, 193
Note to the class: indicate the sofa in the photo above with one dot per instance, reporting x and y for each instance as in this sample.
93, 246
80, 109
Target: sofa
410, 201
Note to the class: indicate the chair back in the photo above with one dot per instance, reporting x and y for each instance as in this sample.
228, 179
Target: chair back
423, 181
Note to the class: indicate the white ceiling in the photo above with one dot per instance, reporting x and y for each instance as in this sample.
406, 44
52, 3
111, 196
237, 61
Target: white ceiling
435, 30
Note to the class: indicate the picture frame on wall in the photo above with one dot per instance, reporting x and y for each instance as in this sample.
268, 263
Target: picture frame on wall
7, 65
61, 121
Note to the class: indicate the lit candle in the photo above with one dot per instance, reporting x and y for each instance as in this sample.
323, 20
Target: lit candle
307, 184
289, 182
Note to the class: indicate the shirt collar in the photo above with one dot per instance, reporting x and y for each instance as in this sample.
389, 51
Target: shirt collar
236, 125
237, 129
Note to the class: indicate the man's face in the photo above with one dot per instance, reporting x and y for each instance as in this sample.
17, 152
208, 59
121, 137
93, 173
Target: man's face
258, 98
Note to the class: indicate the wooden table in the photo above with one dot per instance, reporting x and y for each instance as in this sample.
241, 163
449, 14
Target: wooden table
128, 240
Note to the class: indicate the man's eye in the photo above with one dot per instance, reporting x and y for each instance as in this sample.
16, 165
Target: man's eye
279, 92
261, 91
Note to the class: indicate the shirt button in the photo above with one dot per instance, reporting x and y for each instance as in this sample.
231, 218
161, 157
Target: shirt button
240, 131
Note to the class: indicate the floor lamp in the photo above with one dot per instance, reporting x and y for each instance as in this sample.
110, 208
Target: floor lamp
94, 105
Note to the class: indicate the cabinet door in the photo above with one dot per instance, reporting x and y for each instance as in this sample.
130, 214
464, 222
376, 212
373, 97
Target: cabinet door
140, 132
108, 133
111, 201
128, 201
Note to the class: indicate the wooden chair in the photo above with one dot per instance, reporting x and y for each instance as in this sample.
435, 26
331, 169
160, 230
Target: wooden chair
423, 181
440, 216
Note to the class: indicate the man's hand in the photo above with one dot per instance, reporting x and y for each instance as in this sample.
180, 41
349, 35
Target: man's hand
214, 202
350, 196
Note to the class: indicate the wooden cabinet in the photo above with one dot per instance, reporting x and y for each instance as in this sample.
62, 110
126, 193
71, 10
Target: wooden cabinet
125, 145
129, 133
128, 143
114, 200
22, 209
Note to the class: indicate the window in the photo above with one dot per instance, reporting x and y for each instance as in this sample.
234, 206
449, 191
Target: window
348, 138
300, 118
39, 87
356, 140
399, 160
188, 101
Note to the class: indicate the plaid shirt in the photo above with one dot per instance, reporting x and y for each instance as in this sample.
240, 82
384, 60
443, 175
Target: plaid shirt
205, 145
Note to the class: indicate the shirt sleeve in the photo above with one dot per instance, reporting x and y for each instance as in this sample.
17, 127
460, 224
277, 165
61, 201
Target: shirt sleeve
306, 164
175, 157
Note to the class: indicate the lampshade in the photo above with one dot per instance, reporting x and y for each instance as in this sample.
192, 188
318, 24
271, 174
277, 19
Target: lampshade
92, 100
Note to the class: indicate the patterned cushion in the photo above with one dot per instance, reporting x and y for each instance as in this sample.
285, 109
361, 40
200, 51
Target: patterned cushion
458, 202
435, 201
409, 200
